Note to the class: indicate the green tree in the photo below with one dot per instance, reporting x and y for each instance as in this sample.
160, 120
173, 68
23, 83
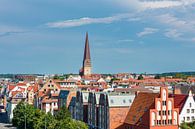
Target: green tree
23, 115
63, 113
157, 76
37, 119
190, 125
140, 77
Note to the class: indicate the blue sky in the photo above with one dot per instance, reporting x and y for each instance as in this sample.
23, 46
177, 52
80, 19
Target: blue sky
139, 36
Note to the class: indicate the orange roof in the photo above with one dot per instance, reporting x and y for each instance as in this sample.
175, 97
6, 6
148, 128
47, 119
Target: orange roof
55, 94
36, 86
41, 94
140, 106
30, 88
21, 84
11, 87
70, 95
179, 100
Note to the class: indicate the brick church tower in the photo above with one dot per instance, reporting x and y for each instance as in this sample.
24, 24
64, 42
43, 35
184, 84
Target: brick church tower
86, 69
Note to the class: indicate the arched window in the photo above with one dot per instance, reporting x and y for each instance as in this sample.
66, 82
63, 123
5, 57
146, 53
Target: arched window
164, 94
158, 105
169, 105
153, 118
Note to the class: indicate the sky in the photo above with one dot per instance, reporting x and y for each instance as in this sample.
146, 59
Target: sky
137, 36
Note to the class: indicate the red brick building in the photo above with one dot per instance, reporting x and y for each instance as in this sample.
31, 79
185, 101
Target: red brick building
152, 111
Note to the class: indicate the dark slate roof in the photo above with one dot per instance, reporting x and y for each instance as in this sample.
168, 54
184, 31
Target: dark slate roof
64, 94
186, 88
73, 101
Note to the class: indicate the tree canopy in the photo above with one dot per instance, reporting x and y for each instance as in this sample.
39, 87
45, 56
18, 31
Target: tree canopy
190, 125
32, 118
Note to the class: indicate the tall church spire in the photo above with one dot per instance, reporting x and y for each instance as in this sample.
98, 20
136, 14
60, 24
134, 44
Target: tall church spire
86, 69
87, 49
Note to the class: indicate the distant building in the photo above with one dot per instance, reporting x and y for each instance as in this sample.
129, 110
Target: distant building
86, 68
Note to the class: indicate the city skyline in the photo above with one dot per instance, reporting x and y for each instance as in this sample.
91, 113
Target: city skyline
129, 36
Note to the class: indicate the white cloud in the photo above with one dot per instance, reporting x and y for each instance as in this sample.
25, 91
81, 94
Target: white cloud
159, 4
173, 33
171, 20
147, 31
151, 4
178, 25
7, 30
87, 21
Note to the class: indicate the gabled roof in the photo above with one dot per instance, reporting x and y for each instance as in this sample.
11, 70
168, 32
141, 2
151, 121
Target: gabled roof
63, 94
30, 88
139, 107
179, 100
11, 87
185, 89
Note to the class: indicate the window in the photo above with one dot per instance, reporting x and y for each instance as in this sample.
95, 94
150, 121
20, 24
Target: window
164, 122
124, 101
169, 112
192, 110
112, 101
158, 122
154, 122
170, 121
188, 118
164, 112
159, 112
188, 110
164, 103
183, 118
130, 101
190, 104
192, 118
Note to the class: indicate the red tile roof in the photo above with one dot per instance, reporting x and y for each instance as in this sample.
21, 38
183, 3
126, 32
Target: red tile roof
139, 108
179, 100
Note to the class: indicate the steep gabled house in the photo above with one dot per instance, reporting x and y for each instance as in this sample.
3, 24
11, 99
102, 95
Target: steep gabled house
186, 105
152, 111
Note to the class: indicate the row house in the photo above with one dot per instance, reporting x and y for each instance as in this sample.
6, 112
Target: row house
113, 109
46, 97
49, 103
184, 89
82, 106
65, 98
101, 110
66, 83
186, 105
152, 111
93, 102
16, 97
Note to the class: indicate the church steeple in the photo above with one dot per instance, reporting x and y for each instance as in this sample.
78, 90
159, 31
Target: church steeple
87, 50
86, 69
